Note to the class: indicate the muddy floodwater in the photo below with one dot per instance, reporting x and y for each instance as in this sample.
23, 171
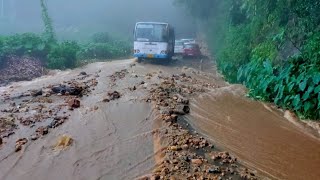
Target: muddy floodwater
260, 136
115, 140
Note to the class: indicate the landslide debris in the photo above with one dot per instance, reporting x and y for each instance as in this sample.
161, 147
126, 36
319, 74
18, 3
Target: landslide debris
20, 69
42, 110
187, 155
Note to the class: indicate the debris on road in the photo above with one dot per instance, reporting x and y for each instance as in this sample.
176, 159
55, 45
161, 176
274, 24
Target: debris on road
63, 142
20, 143
111, 95
74, 103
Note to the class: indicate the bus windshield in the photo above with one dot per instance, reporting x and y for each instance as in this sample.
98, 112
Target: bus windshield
151, 33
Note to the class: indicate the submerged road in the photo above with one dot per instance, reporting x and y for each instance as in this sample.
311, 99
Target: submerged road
115, 140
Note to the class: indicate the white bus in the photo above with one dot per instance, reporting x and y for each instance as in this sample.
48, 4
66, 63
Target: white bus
153, 40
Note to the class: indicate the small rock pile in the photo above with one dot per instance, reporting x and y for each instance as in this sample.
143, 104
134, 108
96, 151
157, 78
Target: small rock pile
118, 75
43, 109
188, 155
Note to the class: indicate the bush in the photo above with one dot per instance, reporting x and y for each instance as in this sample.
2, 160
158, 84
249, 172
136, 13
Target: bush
103, 50
63, 55
293, 86
23, 44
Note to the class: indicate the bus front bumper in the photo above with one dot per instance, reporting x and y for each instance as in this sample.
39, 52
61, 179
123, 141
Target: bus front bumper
152, 56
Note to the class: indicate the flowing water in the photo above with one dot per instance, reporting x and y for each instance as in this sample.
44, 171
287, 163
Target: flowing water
116, 141
260, 136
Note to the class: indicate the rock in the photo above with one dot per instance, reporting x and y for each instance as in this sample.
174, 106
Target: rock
181, 109
20, 143
114, 95
36, 93
215, 170
185, 146
74, 103
42, 131
196, 161
174, 148
82, 73
34, 137
70, 90
63, 142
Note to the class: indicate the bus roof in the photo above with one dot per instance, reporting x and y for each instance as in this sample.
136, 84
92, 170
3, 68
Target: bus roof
164, 23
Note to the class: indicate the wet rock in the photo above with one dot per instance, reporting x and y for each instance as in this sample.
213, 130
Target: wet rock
196, 161
57, 121
42, 131
63, 142
132, 88
215, 170
20, 143
174, 148
36, 93
74, 103
114, 95
185, 147
70, 90
181, 109
34, 137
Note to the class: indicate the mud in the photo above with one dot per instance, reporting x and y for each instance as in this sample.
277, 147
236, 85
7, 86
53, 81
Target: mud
257, 133
123, 120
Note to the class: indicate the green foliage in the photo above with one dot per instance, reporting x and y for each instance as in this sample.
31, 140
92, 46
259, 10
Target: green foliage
270, 46
23, 44
63, 55
103, 51
293, 87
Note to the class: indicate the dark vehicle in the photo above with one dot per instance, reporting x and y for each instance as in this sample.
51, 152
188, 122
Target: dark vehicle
191, 50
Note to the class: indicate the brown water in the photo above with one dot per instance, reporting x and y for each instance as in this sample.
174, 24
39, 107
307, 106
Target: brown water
260, 137
117, 140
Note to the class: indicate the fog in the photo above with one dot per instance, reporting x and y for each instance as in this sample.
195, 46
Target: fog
78, 19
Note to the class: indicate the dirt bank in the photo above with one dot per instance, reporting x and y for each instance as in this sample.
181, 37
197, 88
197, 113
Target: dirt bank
20, 69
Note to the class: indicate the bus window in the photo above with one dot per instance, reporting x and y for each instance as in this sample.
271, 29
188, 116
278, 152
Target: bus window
151, 33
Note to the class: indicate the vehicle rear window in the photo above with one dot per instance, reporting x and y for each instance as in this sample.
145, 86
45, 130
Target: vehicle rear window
190, 46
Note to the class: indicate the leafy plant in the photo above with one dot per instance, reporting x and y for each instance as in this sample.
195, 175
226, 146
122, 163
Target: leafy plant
63, 55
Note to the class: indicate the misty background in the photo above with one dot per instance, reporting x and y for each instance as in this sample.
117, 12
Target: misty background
79, 19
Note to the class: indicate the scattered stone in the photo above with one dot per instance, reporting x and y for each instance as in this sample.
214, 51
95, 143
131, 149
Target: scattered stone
42, 131
63, 142
181, 109
36, 93
215, 170
20, 143
114, 95
74, 103
67, 90
196, 161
